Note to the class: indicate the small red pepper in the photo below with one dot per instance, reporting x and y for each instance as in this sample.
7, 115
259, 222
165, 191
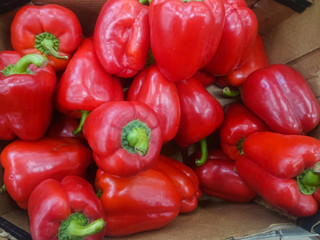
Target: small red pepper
239, 123
146, 201
184, 35
282, 98
68, 209
51, 29
125, 136
218, 178
282, 169
155, 90
185, 180
27, 163
201, 113
121, 37
238, 37
27, 88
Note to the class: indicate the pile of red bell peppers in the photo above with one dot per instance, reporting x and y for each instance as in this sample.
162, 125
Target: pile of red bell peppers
85, 119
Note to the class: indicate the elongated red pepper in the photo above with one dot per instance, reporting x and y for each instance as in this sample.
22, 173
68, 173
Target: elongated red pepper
27, 163
217, 177
201, 113
185, 180
51, 29
197, 27
256, 60
155, 90
121, 37
146, 201
125, 136
26, 96
239, 123
84, 84
238, 37
68, 209
282, 98
282, 169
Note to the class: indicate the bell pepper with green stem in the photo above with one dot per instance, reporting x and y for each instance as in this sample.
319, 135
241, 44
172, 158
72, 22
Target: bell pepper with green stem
68, 209
27, 87
283, 170
125, 137
27, 163
51, 30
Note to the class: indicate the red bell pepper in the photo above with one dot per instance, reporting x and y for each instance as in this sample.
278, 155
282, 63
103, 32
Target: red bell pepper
125, 136
282, 98
27, 163
238, 37
121, 37
68, 209
155, 90
146, 201
184, 36
218, 178
282, 169
185, 180
26, 95
256, 60
201, 113
51, 29
239, 123
205, 78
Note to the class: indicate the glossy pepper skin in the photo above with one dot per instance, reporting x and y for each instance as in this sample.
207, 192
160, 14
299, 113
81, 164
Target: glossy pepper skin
185, 180
51, 29
198, 108
282, 98
146, 201
238, 37
239, 123
197, 30
151, 87
27, 163
125, 136
218, 178
26, 95
121, 37
256, 60
84, 84
282, 169
68, 209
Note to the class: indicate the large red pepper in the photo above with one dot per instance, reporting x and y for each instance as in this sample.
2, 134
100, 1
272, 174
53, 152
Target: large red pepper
282, 169
239, 123
68, 209
256, 60
201, 113
125, 136
282, 98
121, 37
238, 37
51, 29
26, 95
154, 89
218, 178
184, 36
146, 201
185, 180
27, 163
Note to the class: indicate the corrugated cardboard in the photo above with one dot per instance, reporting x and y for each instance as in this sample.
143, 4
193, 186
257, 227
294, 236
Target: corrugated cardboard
289, 37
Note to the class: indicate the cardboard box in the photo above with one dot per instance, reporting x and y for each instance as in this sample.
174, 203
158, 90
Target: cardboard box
289, 37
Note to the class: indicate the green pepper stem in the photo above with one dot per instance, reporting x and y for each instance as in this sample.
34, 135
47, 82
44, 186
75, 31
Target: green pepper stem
84, 115
240, 146
309, 181
3, 189
204, 153
230, 93
48, 44
77, 227
21, 67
